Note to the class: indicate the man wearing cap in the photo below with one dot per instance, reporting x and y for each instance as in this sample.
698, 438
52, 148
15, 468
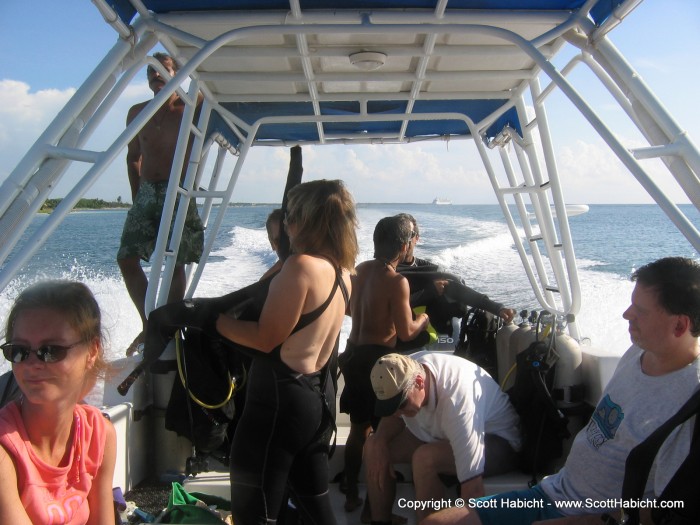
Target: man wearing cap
380, 312
445, 416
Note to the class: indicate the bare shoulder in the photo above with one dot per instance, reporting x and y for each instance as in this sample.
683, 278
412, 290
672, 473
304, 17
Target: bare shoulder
398, 280
135, 110
299, 267
364, 267
297, 262
308, 262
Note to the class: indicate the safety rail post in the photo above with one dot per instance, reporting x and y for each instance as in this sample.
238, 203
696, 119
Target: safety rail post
209, 240
178, 192
522, 211
568, 281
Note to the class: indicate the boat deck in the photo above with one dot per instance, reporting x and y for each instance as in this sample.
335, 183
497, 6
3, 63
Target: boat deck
151, 495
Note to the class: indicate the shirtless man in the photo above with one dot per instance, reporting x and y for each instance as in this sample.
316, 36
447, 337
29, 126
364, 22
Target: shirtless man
149, 161
380, 312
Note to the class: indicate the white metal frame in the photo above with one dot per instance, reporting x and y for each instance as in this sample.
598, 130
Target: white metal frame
547, 252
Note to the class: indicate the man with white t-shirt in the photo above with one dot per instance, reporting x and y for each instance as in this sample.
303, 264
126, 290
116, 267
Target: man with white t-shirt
653, 379
445, 416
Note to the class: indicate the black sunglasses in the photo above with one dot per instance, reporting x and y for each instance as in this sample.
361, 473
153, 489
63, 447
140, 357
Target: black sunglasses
16, 353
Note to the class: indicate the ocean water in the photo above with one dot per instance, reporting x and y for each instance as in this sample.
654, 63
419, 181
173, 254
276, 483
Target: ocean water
468, 240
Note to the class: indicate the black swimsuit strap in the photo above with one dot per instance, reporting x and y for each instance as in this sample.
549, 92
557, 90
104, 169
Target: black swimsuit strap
308, 318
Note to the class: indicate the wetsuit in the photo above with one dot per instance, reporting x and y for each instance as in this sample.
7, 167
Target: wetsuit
283, 437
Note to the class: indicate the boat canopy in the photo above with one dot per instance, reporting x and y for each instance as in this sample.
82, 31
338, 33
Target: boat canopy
262, 71
300, 72
599, 11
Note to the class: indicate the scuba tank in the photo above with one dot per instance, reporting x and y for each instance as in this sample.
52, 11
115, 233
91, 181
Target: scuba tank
520, 339
524, 335
503, 349
568, 379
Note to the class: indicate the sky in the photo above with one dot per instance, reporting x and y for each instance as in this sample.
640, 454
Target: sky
49, 47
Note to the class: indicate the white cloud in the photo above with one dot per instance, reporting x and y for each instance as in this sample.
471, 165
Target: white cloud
25, 114
592, 173
30, 108
23, 117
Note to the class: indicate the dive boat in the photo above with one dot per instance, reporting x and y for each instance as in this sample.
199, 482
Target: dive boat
289, 72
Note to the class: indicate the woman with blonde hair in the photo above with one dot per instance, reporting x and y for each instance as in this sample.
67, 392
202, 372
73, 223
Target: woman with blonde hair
282, 438
57, 455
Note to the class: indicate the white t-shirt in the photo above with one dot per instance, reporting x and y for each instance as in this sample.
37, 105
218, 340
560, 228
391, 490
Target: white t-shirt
633, 405
464, 403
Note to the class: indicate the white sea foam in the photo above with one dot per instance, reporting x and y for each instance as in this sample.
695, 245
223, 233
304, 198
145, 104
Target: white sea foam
237, 264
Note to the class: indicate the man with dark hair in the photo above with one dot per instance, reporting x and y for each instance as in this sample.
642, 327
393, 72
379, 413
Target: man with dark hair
411, 261
149, 160
380, 313
449, 297
653, 379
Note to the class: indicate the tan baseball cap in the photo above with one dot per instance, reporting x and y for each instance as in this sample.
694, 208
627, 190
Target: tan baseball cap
391, 376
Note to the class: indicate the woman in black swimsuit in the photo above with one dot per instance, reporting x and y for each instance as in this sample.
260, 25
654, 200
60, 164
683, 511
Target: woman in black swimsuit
282, 438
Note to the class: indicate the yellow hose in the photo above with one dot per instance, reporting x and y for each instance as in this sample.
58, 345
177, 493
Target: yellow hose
505, 379
178, 350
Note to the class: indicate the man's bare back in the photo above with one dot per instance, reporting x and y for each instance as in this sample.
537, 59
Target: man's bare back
380, 306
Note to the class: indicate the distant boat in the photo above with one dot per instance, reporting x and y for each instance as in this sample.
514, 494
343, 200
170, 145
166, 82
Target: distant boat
439, 201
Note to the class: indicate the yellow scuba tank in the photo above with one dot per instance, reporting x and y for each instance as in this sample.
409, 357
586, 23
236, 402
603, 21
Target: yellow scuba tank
520, 339
568, 379
503, 349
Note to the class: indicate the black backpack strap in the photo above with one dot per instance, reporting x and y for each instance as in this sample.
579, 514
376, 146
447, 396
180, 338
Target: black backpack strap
683, 487
641, 458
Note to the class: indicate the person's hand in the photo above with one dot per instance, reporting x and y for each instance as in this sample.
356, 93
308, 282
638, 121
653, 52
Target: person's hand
425, 320
507, 314
440, 285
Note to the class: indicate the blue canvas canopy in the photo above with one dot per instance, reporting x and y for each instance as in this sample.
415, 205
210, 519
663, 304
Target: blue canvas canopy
599, 13
301, 90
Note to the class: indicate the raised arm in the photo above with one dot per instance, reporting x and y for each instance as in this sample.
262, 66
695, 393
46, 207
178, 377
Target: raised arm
407, 328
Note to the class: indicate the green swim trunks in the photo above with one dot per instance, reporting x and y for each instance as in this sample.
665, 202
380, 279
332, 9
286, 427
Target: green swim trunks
143, 220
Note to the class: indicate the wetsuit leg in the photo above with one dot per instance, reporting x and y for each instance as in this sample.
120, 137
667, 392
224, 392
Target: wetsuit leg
308, 478
279, 420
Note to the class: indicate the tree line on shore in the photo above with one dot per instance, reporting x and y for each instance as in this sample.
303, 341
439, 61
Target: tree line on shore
85, 204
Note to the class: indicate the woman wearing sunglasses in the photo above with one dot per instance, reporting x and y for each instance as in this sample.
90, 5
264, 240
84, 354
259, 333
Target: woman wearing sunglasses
283, 435
57, 455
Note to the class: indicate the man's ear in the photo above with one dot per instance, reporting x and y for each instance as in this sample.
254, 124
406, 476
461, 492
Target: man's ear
682, 325
420, 382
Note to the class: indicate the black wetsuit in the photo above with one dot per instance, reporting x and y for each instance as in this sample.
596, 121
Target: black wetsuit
282, 439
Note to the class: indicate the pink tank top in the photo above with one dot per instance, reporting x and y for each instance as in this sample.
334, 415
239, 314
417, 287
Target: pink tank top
56, 495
